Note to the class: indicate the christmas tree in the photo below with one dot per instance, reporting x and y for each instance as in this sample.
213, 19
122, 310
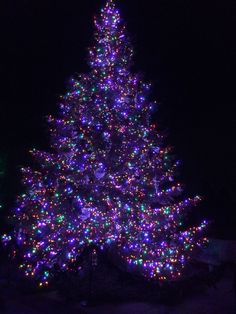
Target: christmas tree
109, 180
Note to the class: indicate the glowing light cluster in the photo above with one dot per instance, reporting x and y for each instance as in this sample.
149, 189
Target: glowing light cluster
108, 180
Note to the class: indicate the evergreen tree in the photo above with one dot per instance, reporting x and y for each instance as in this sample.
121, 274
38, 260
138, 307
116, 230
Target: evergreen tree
109, 180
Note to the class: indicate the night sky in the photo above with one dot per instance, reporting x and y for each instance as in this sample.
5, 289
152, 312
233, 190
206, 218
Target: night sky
187, 49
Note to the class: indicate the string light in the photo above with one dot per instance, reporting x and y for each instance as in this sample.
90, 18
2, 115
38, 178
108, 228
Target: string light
108, 180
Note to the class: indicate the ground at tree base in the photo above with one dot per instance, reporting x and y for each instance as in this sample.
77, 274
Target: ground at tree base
218, 299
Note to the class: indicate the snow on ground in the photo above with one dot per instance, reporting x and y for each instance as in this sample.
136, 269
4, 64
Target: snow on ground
218, 300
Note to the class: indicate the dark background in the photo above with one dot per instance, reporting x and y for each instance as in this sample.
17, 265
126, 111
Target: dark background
187, 49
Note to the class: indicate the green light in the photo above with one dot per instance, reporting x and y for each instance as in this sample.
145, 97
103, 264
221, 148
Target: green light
60, 218
167, 211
